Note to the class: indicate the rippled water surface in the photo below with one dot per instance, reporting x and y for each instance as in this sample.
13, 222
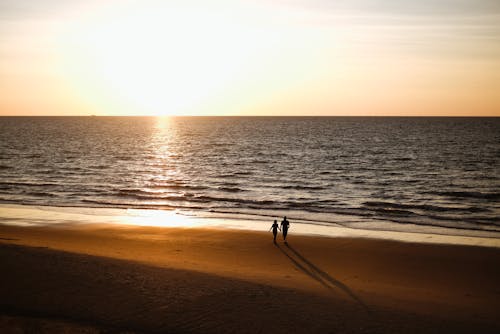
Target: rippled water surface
358, 172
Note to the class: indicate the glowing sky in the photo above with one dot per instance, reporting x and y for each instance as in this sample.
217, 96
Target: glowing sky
151, 57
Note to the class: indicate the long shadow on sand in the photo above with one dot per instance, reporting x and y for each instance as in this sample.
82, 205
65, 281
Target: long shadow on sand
317, 274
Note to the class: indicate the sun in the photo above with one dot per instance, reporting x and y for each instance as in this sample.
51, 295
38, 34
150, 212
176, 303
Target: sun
162, 60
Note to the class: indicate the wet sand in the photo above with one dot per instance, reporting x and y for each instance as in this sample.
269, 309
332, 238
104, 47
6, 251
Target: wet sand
111, 278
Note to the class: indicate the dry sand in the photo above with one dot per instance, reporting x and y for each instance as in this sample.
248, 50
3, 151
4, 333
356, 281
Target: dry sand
109, 278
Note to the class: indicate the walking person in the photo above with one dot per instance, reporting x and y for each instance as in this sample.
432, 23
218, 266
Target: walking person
285, 224
275, 228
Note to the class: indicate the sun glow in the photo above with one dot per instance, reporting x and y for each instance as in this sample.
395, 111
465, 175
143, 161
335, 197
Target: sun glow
163, 61
248, 57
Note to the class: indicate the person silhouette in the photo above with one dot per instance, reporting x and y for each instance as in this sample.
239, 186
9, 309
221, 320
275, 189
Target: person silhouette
275, 228
285, 224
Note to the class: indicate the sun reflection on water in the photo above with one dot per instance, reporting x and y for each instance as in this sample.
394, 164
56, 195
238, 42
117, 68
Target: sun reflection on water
163, 152
158, 218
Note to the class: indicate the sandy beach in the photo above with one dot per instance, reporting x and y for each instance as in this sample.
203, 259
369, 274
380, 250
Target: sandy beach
102, 278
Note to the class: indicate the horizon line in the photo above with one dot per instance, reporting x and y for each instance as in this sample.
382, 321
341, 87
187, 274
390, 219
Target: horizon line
264, 116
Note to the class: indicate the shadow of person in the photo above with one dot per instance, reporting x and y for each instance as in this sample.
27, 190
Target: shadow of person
308, 268
302, 268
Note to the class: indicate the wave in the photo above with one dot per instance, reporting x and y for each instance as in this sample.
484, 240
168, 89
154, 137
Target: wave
135, 205
209, 199
41, 194
243, 173
229, 184
300, 187
177, 186
467, 194
29, 184
144, 195
403, 158
125, 204
423, 207
231, 189
259, 161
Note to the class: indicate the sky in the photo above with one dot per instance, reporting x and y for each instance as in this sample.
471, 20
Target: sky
274, 57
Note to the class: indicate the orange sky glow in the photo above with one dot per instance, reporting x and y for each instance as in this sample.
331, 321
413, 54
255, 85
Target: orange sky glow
277, 57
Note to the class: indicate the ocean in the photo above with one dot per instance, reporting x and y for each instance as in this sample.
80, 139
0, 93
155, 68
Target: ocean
382, 173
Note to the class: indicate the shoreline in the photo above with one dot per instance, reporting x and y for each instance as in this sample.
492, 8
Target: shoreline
200, 279
31, 215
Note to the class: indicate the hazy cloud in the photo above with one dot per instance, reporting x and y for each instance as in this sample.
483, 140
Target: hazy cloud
402, 7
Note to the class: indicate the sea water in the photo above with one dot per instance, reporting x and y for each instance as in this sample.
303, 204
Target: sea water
405, 174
